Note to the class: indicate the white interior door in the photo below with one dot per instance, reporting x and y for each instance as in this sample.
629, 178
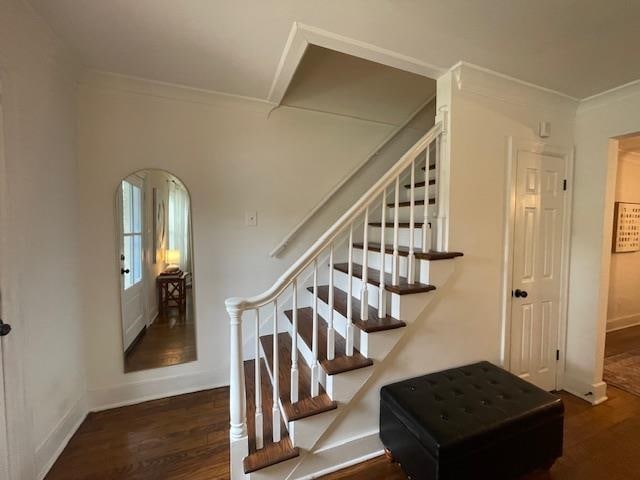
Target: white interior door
4, 435
537, 266
131, 259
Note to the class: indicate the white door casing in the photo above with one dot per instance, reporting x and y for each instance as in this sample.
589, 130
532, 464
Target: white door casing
16, 442
536, 266
131, 241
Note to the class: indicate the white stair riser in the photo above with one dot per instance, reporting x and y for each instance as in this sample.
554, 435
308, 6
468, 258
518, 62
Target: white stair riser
341, 281
405, 193
377, 345
404, 213
305, 432
345, 385
374, 260
404, 235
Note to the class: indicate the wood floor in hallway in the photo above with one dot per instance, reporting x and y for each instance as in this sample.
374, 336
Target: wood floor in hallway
186, 437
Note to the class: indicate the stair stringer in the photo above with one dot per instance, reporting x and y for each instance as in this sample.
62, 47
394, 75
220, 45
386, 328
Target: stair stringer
323, 457
309, 432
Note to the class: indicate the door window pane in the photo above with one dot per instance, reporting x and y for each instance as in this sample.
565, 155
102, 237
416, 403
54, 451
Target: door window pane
127, 203
137, 209
137, 258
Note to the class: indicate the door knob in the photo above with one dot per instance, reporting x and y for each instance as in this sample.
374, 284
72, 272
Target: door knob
124, 270
520, 293
5, 328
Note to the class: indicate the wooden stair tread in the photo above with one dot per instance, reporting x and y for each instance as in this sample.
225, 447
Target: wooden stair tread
373, 278
417, 203
400, 224
341, 362
306, 405
404, 252
420, 184
272, 453
432, 166
373, 324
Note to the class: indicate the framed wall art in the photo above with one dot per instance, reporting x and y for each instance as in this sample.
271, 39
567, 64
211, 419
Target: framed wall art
626, 227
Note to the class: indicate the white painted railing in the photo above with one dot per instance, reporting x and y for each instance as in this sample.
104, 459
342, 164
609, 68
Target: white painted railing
290, 279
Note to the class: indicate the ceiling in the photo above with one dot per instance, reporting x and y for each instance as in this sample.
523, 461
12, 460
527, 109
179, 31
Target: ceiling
334, 82
578, 47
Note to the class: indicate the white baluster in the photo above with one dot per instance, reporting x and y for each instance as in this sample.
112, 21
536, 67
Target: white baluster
396, 257
425, 226
350, 330
294, 344
412, 211
331, 348
382, 296
276, 384
315, 368
258, 386
434, 238
364, 295
237, 399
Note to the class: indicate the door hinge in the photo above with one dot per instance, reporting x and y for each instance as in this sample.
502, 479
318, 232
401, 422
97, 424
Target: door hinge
557, 355
564, 185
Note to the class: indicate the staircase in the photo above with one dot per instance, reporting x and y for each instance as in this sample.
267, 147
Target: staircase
319, 333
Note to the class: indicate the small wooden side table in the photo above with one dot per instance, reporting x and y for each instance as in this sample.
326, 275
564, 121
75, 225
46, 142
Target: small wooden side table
172, 292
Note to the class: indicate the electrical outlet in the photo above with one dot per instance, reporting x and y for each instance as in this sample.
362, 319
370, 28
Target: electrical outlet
251, 219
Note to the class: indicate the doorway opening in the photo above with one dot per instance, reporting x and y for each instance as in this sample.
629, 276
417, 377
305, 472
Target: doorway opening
622, 344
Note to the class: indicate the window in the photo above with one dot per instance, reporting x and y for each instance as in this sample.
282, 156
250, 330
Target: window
132, 233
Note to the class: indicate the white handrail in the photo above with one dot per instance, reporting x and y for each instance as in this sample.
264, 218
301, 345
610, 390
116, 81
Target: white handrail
285, 241
236, 305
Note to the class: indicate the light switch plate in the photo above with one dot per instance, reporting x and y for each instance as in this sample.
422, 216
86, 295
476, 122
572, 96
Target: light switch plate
251, 219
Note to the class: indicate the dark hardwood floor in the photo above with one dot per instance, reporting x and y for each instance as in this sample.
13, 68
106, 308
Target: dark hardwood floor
622, 341
186, 437
170, 340
183, 437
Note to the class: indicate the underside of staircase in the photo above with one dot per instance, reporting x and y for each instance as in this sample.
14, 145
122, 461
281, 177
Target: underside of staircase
347, 307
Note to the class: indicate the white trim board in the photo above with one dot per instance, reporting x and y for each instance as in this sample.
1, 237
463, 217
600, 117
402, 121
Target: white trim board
145, 390
620, 323
55, 442
515, 145
301, 36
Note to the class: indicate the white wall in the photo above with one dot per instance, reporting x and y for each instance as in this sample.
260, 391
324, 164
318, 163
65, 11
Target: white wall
41, 238
463, 323
233, 158
624, 294
598, 120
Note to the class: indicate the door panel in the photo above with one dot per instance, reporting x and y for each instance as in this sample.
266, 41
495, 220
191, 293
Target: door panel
131, 285
537, 248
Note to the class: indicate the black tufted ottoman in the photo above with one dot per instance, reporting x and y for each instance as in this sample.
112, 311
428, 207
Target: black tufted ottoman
472, 422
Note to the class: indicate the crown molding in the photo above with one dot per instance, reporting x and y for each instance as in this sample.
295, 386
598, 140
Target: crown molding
141, 86
473, 79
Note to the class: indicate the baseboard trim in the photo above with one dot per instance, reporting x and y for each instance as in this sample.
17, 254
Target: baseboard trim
146, 390
52, 446
619, 323
335, 457
594, 393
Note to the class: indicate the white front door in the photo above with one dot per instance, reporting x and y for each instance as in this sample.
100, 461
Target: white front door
539, 208
131, 259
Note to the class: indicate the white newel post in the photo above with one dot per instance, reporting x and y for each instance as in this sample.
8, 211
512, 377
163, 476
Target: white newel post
239, 442
442, 184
